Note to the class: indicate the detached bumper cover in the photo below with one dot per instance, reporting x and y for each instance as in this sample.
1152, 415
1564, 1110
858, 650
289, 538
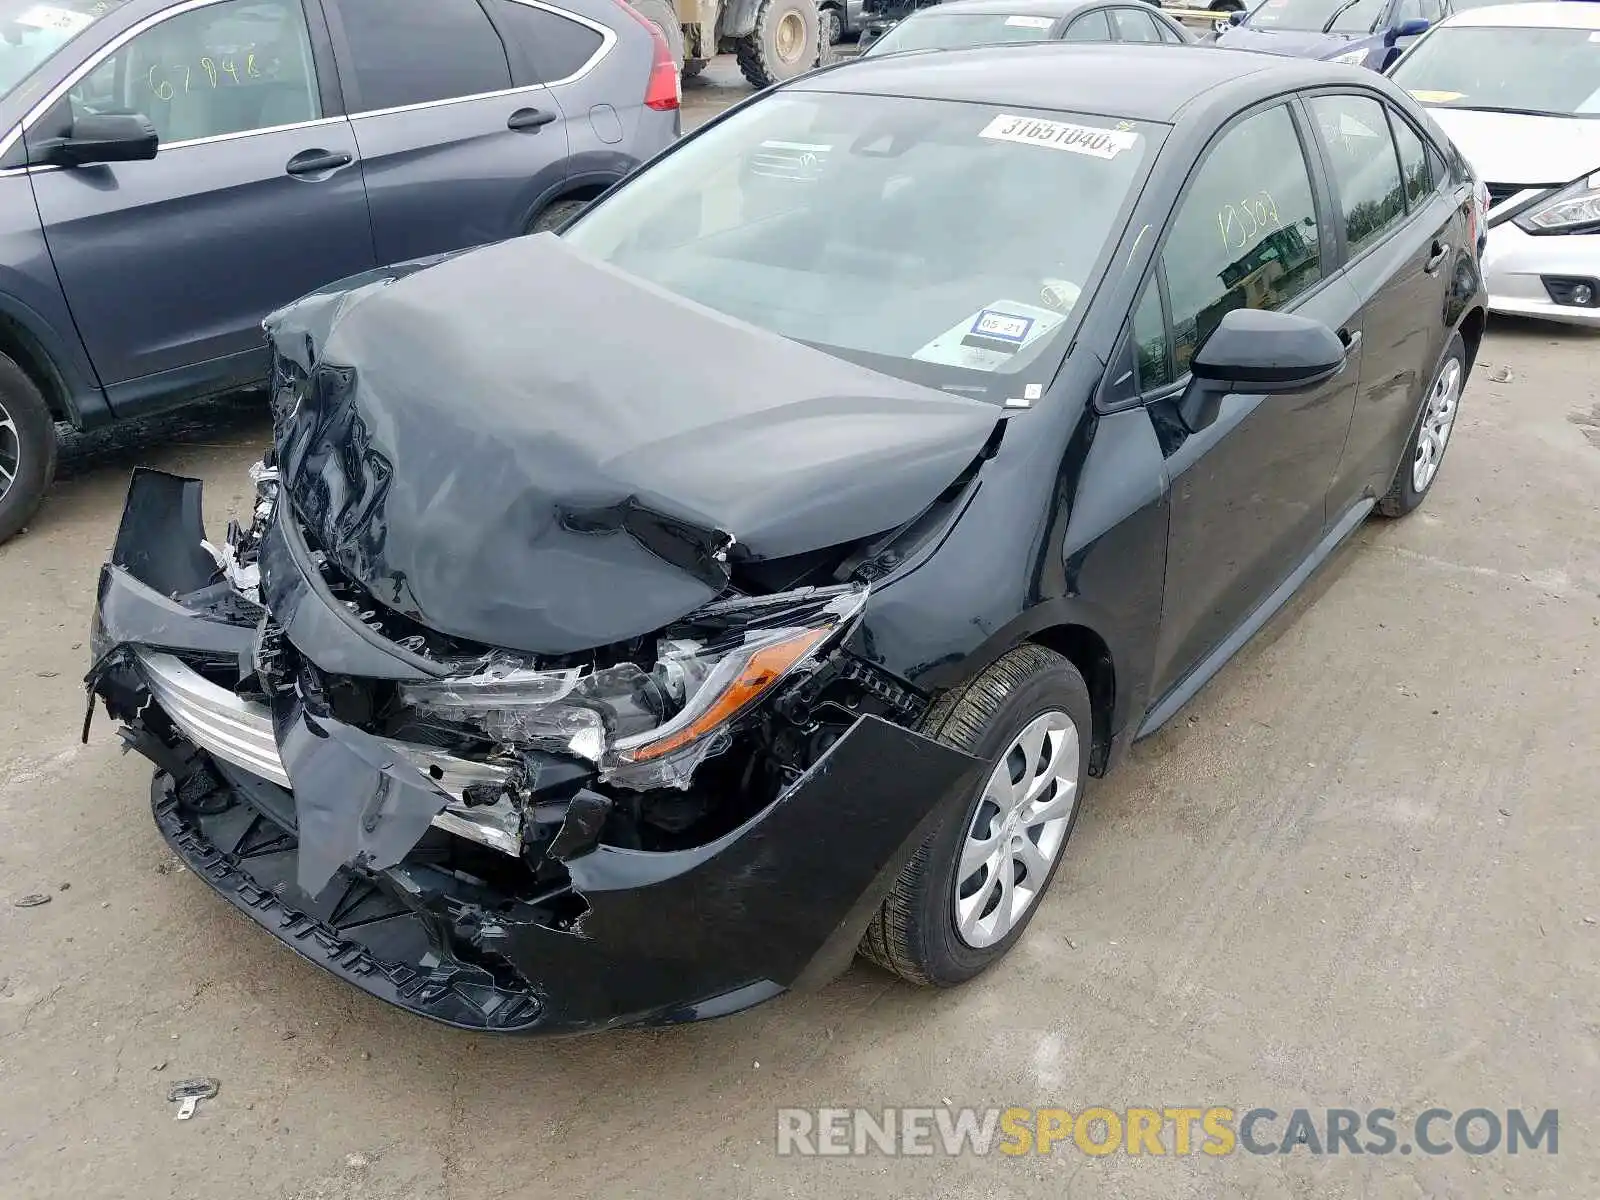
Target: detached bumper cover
358, 869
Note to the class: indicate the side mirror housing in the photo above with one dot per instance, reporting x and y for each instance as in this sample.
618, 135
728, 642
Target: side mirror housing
1256, 351
1406, 29
106, 138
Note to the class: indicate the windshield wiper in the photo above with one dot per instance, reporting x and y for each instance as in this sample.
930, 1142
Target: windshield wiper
1339, 12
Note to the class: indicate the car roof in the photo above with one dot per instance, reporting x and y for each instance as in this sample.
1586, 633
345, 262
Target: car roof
1143, 82
1551, 14
1017, 8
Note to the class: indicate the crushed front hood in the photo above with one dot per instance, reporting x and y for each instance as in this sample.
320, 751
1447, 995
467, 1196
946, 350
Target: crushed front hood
526, 448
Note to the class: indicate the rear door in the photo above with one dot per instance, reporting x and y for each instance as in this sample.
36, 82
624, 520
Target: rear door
456, 151
1248, 491
170, 265
1399, 222
1134, 25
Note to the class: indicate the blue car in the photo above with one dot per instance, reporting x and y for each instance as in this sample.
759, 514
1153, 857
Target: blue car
171, 171
1364, 33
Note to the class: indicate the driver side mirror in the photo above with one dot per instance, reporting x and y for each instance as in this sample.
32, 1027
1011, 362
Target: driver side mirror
1406, 29
104, 138
1256, 351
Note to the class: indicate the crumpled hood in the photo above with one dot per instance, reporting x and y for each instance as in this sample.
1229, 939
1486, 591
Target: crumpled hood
526, 448
1513, 148
1294, 43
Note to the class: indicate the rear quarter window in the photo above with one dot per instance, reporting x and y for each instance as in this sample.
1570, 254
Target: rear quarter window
558, 46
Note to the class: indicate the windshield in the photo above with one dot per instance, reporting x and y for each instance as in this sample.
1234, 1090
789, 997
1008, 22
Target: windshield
1313, 16
914, 236
31, 32
1545, 72
933, 30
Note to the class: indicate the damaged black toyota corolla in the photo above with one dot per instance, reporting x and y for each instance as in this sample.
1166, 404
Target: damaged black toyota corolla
631, 625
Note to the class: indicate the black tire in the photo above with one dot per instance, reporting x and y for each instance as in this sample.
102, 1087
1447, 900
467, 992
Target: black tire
1403, 494
659, 13
557, 214
914, 932
1226, 6
832, 27
785, 42
692, 67
27, 448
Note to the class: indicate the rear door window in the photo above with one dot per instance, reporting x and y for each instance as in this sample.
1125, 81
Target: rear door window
1134, 26
1091, 27
1366, 170
1416, 166
557, 45
400, 52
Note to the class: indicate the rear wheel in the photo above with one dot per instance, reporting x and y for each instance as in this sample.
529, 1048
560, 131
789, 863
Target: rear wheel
971, 889
27, 448
693, 67
786, 42
556, 215
832, 27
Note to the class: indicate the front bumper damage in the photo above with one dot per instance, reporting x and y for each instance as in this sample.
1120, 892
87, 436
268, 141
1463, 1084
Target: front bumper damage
399, 867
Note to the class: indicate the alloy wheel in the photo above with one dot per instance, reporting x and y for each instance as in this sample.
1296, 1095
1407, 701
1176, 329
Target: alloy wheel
1018, 830
10, 451
1438, 419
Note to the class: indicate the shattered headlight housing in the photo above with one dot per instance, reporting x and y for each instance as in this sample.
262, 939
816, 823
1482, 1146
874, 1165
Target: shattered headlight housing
650, 728
1574, 209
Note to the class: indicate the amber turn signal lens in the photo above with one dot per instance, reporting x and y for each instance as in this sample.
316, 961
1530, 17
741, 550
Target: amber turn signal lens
763, 669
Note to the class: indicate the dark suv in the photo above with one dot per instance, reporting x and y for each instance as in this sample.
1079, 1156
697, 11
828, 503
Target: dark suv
173, 170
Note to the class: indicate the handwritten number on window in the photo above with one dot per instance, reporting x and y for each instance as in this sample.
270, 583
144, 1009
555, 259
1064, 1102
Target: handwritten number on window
1244, 224
161, 77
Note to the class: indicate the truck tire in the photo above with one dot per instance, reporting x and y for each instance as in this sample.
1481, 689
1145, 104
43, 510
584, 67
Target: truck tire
693, 67
659, 13
832, 27
27, 448
786, 42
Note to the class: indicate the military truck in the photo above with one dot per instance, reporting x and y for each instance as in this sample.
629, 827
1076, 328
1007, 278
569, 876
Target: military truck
774, 39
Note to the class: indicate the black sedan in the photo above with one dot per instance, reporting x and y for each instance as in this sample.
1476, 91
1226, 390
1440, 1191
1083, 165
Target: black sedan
966, 23
635, 623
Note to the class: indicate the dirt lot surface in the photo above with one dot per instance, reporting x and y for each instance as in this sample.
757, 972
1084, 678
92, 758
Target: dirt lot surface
1359, 871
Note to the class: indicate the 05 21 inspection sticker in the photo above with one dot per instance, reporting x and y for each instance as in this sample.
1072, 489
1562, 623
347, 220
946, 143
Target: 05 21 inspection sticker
1060, 135
1002, 326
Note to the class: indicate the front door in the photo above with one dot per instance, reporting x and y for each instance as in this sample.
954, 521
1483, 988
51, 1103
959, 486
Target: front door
457, 150
1248, 491
254, 198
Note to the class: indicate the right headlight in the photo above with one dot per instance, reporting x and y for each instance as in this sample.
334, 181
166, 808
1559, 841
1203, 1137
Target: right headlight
1574, 209
650, 728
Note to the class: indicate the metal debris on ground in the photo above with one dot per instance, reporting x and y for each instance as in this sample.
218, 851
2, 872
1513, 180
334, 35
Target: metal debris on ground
1500, 375
33, 900
187, 1094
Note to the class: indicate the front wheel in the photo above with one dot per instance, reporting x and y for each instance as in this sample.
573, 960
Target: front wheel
970, 890
1436, 420
27, 448
786, 42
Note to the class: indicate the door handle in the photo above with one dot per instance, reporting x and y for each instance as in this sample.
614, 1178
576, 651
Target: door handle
533, 119
314, 162
1441, 251
1350, 340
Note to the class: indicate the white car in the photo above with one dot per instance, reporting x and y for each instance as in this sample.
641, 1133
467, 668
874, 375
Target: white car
1517, 88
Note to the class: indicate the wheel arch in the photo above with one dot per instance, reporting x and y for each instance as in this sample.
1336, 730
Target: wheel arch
1088, 652
19, 343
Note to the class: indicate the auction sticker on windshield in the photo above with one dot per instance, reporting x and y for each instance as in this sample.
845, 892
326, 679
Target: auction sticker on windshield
1030, 22
1060, 135
44, 16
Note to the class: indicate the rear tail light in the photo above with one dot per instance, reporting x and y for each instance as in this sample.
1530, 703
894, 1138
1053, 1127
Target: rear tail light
664, 91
